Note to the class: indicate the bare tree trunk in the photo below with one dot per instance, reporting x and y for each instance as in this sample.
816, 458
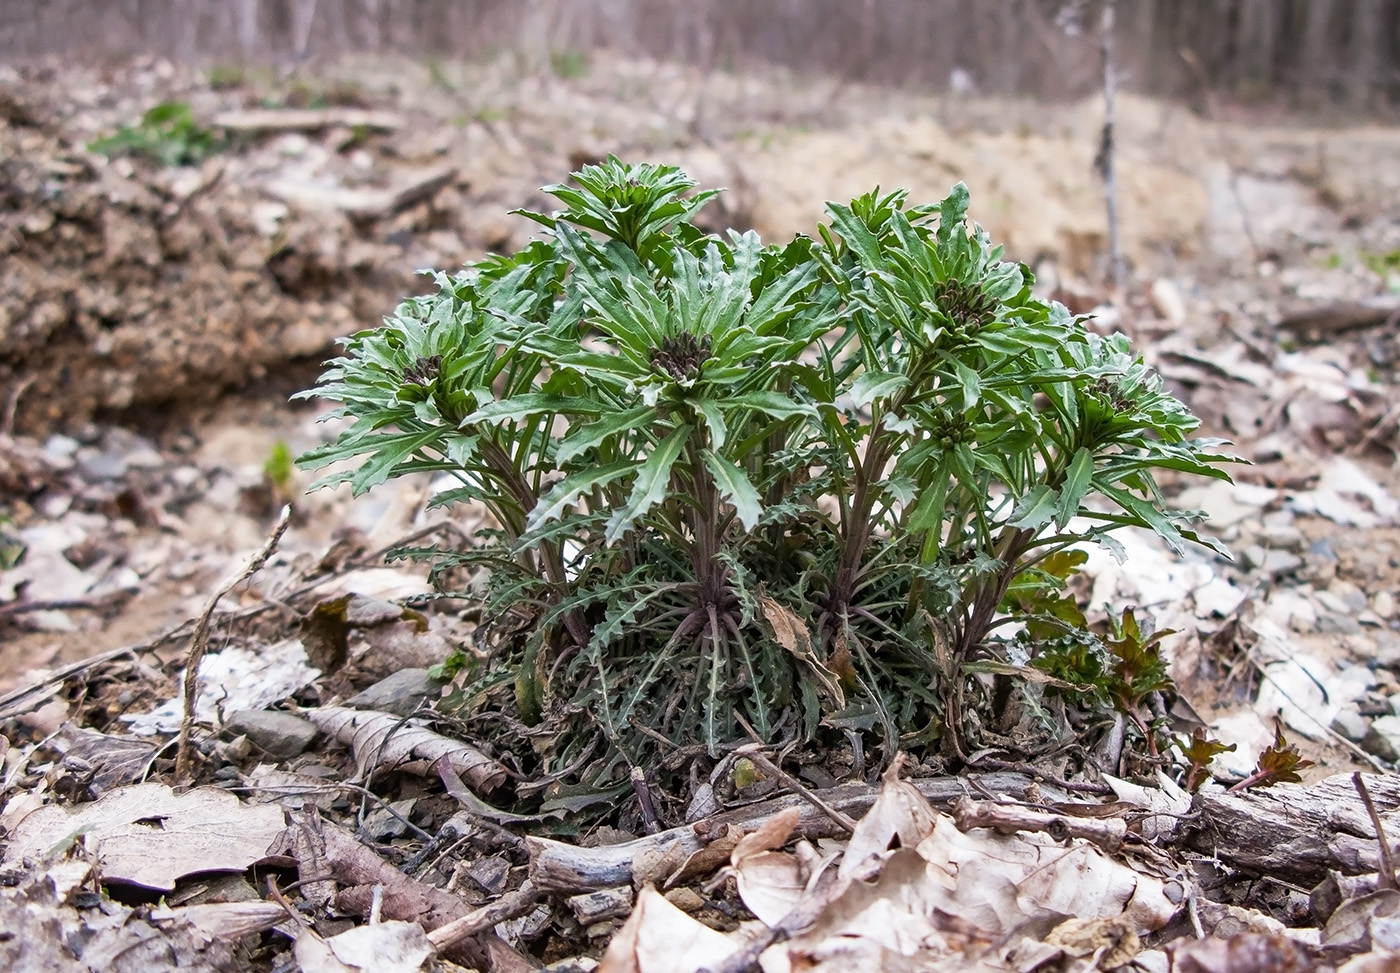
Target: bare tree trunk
1105, 159
1364, 56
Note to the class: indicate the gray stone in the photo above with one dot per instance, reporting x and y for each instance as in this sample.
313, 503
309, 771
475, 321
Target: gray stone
1331, 623
281, 736
1383, 738
1352, 596
1383, 604
400, 693
1387, 648
1282, 538
1322, 549
1272, 563
1351, 724
97, 465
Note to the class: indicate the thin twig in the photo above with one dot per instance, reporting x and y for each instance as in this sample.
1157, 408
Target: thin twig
512, 905
754, 752
199, 643
1387, 857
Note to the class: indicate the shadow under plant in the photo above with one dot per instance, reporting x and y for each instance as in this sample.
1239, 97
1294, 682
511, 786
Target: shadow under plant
826, 492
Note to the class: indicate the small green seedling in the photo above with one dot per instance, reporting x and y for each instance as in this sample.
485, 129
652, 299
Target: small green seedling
167, 134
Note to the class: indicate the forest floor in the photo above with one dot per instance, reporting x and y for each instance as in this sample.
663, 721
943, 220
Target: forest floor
153, 321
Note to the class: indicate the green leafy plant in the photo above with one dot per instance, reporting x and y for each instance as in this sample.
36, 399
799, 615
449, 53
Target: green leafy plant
167, 134
798, 485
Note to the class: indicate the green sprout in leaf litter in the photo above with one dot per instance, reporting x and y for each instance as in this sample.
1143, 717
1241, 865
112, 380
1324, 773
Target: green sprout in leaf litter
1199, 753
838, 485
1278, 764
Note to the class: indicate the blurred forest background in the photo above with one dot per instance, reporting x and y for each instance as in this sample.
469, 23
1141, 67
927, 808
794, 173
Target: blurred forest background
1307, 53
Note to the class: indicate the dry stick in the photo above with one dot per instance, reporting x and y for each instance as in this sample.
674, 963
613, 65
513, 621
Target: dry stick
1387, 860
753, 752
1105, 159
512, 905
199, 643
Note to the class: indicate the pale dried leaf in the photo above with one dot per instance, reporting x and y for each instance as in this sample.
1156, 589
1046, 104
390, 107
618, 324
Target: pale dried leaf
900, 812
385, 947
147, 835
659, 938
771, 884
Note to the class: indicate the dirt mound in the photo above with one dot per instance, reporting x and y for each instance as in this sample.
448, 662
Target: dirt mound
128, 286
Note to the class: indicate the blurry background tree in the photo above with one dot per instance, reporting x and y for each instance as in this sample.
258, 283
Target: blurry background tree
1308, 52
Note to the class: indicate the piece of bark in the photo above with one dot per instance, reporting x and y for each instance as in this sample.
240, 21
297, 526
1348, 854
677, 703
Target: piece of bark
1321, 320
363, 203
385, 741
305, 119
559, 867
1296, 833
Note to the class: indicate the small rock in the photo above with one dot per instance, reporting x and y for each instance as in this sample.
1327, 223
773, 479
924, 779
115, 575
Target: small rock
1350, 724
401, 693
1383, 738
1332, 623
281, 736
1329, 601
1322, 548
1383, 604
390, 820
1272, 563
687, 900
1351, 596
61, 447
1387, 648
1282, 538
97, 465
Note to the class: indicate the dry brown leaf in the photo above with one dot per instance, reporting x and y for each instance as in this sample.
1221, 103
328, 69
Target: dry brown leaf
659, 938
384, 740
899, 812
792, 634
770, 883
147, 835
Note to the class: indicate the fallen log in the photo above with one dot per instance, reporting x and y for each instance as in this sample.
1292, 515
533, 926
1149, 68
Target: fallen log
1294, 832
305, 119
676, 854
1319, 321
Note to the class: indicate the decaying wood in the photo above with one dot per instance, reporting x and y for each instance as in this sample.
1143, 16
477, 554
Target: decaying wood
305, 119
559, 867
363, 203
383, 740
1322, 320
1107, 833
1297, 833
